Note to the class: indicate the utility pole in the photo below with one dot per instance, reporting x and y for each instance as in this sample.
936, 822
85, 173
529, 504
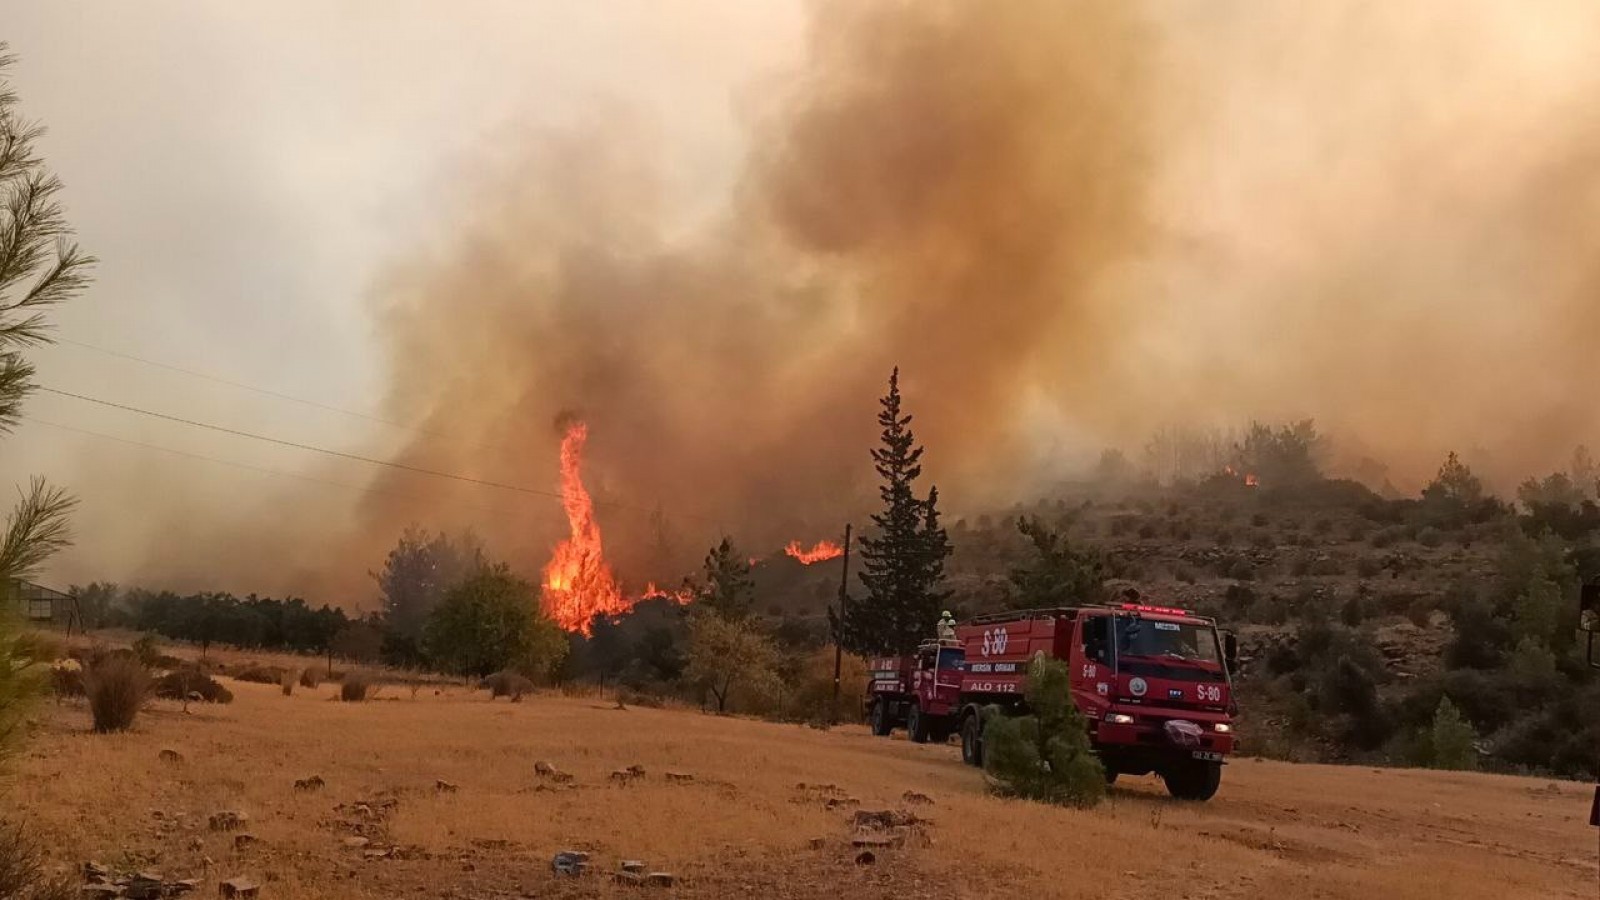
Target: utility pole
844, 601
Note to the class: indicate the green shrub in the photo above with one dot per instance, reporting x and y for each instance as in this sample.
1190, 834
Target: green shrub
311, 677
1147, 531
1239, 568
256, 674
1044, 756
1224, 537
1259, 520
507, 684
1353, 611
21, 679
1184, 574
192, 683
1430, 537
117, 686
1368, 567
355, 688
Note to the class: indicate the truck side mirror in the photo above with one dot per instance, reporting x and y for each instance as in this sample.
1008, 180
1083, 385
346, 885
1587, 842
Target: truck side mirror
1230, 650
1589, 616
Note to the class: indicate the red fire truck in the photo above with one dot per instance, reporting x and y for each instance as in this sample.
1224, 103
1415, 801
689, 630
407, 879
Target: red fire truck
1153, 683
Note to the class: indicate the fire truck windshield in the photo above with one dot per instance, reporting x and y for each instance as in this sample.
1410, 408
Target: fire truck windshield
1152, 638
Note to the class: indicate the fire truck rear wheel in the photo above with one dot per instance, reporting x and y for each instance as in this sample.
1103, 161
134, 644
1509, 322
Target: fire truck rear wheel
917, 725
881, 723
971, 740
1193, 779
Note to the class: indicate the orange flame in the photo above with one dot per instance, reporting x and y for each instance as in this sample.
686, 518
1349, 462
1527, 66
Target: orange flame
1250, 480
683, 595
824, 550
578, 583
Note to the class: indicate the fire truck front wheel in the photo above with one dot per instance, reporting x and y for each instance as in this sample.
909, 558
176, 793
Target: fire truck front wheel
917, 725
972, 739
881, 723
1193, 779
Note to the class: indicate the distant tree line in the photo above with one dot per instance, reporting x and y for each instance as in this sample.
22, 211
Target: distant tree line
250, 622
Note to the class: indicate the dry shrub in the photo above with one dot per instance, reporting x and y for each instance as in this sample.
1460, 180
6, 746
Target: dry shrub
179, 684
805, 693
507, 684
311, 678
288, 680
22, 874
356, 688
147, 650
66, 680
627, 696
117, 686
256, 674
40, 647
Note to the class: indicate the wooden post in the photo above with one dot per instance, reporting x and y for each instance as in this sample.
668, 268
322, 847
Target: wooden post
844, 601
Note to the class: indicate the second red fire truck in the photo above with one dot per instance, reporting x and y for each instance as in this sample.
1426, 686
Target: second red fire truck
1153, 683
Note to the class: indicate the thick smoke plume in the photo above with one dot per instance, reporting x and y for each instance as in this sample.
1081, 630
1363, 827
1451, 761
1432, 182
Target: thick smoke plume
1068, 223
940, 189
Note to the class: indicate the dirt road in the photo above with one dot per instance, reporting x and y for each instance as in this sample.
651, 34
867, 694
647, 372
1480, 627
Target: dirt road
741, 826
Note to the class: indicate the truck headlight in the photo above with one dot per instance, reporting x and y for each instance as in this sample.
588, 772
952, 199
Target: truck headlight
1119, 719
1222, 728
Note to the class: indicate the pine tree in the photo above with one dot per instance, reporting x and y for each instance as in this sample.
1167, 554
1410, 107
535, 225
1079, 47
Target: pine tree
728, 589
1059, 575
904, 562
40, 267
1046, 755
1451, 739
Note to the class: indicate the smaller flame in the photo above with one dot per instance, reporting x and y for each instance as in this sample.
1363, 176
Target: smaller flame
823, 550
683, 596
1250, 480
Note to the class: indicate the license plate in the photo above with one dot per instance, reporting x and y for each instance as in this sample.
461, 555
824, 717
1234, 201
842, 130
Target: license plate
1207, 755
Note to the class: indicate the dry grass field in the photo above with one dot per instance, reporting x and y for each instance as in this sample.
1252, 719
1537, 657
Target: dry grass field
741, 826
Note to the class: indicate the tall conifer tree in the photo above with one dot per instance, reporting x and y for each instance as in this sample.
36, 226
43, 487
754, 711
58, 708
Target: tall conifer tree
903, 561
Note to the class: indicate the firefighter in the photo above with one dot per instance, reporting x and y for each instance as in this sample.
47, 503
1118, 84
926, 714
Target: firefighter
947, 626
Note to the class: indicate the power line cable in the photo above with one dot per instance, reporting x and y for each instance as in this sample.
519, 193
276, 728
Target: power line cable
420, 470
240, 465
267, 392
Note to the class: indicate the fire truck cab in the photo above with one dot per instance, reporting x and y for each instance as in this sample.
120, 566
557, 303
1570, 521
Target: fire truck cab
1154, 685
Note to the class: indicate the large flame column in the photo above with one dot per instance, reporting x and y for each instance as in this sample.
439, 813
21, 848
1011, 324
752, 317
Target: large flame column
578, 583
